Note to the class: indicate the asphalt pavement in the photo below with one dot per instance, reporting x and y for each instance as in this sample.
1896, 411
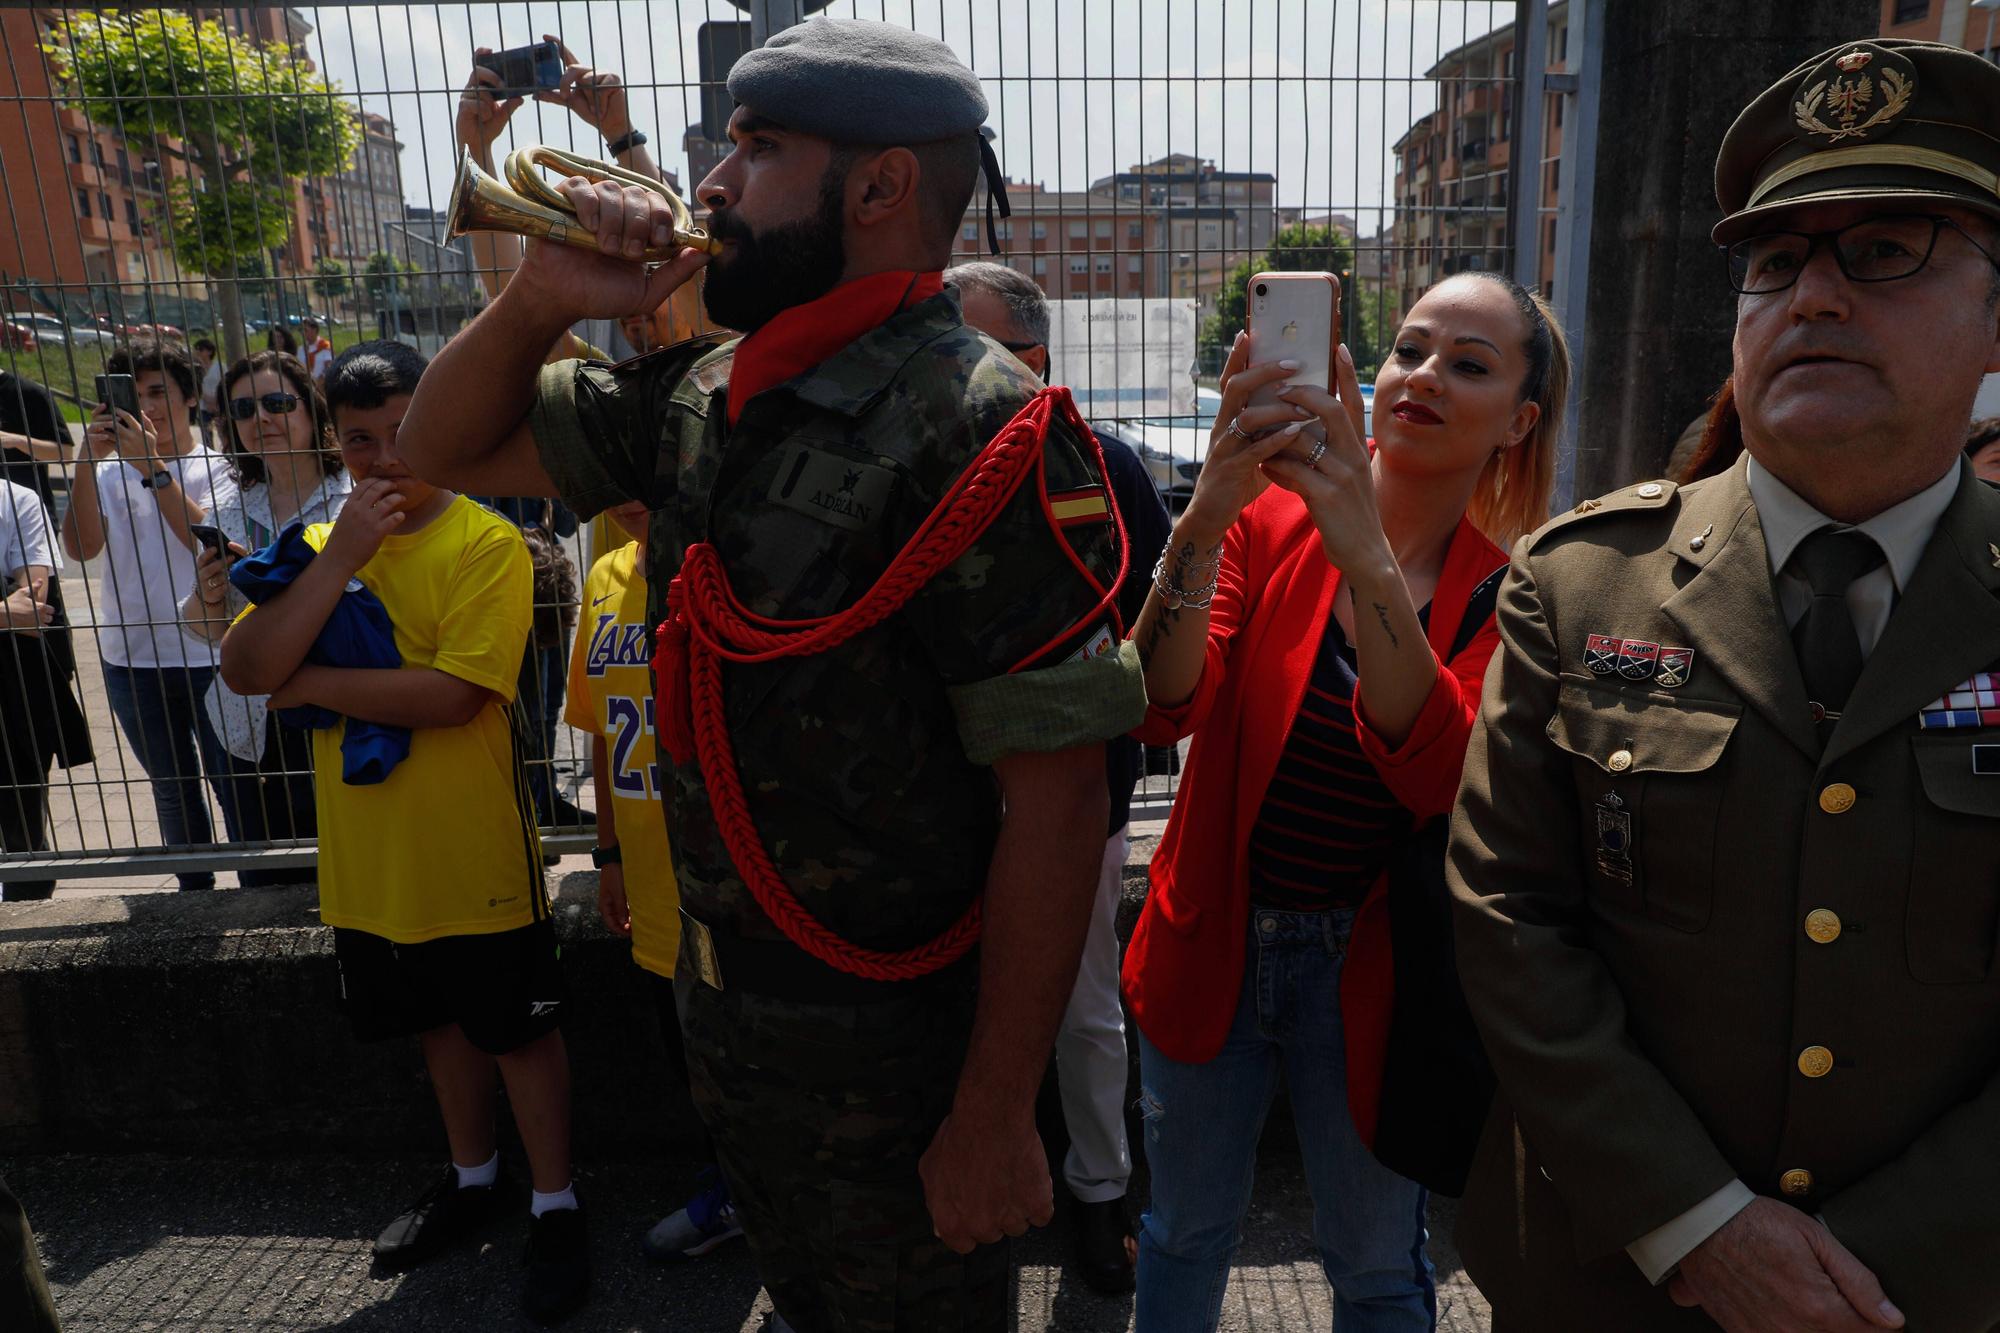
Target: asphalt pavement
136, 1243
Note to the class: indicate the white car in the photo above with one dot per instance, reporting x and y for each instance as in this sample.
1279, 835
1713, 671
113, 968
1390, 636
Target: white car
46, 328
1173, 448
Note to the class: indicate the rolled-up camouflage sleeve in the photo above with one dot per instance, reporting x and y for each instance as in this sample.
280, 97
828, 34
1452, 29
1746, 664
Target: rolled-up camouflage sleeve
599, 428
1032, 661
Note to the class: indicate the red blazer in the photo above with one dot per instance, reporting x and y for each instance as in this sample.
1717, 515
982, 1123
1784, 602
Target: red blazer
1184, 968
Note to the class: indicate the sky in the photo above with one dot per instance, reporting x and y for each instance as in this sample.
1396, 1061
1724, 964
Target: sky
1313, 91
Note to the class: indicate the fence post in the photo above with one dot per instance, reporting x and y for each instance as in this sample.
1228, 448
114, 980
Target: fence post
1580, 85
773, 16
1524, 166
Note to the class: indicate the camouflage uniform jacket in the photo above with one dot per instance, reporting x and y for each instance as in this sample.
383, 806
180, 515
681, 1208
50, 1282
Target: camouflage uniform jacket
867, 768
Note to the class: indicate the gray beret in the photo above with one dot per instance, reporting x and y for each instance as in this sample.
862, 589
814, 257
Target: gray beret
858, 81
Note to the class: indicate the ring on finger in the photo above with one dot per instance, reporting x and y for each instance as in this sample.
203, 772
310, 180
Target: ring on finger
1317, 452
1236, 428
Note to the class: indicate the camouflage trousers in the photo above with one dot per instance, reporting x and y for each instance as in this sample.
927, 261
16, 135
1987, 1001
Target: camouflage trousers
820, 1114
25, 1304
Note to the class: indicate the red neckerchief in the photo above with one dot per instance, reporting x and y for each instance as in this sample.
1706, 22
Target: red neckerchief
805, 335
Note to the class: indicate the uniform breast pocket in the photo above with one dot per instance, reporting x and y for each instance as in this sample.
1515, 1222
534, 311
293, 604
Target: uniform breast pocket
1649, 771
1953, 924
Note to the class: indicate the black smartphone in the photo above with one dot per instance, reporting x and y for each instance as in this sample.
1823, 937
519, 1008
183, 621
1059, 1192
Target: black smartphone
212, 537
118, 391
525, 70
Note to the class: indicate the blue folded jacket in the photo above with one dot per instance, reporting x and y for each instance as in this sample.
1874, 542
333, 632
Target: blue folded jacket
357, 634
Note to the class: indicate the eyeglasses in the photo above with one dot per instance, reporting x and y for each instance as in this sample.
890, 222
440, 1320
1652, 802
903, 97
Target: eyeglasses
277, 404
1879, 249
1017, 348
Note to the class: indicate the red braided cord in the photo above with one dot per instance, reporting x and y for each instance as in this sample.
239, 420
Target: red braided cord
719, 628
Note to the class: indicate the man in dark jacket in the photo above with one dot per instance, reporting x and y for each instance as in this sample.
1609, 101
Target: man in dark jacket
1092, 1064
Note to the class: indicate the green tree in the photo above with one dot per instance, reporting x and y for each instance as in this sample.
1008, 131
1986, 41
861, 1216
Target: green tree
246, 119
330, 279
383, 276
253, 283
1296, 249
1366, 308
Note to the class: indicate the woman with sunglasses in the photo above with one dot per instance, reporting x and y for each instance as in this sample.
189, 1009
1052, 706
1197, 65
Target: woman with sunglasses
278, 438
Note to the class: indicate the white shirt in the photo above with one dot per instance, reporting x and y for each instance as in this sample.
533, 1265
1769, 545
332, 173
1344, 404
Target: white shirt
244, 515
211, 388
27, 537
319, 359
1902, 531
147, 571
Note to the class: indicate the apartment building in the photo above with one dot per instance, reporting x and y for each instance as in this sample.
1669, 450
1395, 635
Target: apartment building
1453, 166
1173, 227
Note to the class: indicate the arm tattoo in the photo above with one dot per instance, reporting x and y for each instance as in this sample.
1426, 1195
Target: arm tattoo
1162, 628
1382, 614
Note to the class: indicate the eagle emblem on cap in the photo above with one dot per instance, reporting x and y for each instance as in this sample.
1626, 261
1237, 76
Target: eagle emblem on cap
1840, 101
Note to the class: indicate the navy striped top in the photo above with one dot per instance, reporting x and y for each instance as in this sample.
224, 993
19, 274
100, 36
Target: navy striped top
1328, 822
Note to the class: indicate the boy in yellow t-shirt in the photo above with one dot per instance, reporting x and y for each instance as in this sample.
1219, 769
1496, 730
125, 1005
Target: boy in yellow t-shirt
432, 878
611, 697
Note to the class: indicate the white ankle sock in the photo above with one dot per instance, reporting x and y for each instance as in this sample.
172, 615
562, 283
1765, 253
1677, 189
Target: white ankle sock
488, 1171
548, 1203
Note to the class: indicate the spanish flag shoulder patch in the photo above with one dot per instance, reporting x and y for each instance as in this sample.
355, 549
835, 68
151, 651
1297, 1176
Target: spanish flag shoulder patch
1088, 504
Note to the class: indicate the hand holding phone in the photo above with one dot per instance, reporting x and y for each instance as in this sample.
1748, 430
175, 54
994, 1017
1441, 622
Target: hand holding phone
118, 392
524, 69
214, 554
212, 537
1294, 317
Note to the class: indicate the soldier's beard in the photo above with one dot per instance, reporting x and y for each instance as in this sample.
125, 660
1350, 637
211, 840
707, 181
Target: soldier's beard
767, 273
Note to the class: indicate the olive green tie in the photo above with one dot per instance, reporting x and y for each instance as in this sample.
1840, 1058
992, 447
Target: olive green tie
1825, 639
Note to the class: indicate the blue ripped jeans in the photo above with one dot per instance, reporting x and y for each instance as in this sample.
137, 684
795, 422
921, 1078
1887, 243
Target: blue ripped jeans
1202, 1126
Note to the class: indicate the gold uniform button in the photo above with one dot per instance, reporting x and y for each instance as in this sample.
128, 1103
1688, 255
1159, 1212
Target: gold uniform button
1836, 798
1815, 1062
1650, 491
1619, 761
1798, 1180
1822, 925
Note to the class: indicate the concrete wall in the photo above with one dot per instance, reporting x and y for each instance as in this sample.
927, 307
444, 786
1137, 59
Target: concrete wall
199, 1023
207, 1024
1660, 312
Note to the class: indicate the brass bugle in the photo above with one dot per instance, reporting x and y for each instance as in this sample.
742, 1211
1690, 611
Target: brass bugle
527, 205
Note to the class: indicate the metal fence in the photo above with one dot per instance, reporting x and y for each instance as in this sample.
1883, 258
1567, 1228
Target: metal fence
224, 173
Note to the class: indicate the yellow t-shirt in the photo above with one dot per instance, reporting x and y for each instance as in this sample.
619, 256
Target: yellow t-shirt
611, 695
447, 843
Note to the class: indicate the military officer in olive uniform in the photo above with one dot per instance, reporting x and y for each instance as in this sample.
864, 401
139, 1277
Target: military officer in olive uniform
1727, 855
877, 1134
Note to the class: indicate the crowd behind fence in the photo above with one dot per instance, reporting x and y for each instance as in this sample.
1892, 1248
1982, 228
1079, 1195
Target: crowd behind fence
228, 176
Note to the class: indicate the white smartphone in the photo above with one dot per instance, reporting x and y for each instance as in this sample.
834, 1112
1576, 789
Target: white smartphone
1294, 317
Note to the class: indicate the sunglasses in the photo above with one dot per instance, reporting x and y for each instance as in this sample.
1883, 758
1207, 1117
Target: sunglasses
277, 404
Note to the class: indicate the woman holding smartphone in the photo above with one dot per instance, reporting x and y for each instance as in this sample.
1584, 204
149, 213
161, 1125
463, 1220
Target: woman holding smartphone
278, 439
1321, 623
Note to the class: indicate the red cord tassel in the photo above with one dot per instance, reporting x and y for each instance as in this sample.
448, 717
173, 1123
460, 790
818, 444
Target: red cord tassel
687, 672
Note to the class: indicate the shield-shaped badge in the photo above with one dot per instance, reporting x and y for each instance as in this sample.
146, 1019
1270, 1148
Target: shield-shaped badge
1637, 658
1600, 654
1676, 664
1614, 838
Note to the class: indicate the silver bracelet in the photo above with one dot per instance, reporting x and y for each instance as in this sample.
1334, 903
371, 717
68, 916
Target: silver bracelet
1174, 596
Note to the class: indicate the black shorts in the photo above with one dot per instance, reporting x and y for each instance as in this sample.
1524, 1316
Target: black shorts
503, 990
